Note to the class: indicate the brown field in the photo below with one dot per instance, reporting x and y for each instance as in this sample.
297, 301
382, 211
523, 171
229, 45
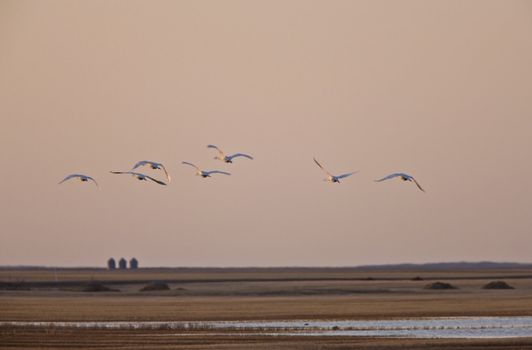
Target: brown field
142, 339
255, 294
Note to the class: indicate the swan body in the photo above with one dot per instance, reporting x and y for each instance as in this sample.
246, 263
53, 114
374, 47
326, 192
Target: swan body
204, 173
228, 158
333, 178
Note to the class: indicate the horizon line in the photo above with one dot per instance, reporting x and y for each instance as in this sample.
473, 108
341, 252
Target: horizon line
465, 262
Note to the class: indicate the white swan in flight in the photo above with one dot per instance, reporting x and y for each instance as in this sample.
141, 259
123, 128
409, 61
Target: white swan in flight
139, 176
404, 177
82, 178
204, 173
153, 165
228, 158
333, 178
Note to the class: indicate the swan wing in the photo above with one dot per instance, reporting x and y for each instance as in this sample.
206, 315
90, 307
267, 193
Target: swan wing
216, 148
68, 177
141, 163
92, 179
192, 165
346, 175
418, 185
155, 180
322, 168
240, 155
391, 176
166, 173
217, 172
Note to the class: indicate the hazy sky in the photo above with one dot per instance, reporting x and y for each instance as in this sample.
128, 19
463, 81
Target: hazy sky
438, 89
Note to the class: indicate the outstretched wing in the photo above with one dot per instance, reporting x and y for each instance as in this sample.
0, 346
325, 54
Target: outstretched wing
72, 176
141, 163
122, 172
192, 165
217, 172
92, 179
155, 180
166, 173
391, 176
216, 148
240, 155
418, 185
346, 175
69, 177
322, 168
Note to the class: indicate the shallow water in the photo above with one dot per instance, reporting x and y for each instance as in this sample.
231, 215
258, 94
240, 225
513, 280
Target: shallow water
442, 327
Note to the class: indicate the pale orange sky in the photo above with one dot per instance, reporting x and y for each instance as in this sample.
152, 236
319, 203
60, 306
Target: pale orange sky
441, 90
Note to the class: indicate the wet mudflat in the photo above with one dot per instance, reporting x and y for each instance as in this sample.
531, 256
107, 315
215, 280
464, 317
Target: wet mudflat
440, 327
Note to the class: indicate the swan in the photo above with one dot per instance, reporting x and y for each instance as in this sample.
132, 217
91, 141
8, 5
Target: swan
404, 177
228, 158
333, 178
153, 165
139, 176
82, 178
204, 173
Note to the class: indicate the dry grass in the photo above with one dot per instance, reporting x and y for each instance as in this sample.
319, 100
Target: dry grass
210, 298
157, 308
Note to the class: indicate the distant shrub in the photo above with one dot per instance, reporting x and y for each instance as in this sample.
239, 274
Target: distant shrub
14, 286
155, 286
440, 286
417, 278
97, 287
497, 285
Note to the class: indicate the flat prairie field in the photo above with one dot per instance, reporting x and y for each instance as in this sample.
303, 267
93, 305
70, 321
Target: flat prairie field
277, 294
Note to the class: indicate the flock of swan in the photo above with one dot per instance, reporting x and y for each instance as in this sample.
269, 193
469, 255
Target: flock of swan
224, 158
